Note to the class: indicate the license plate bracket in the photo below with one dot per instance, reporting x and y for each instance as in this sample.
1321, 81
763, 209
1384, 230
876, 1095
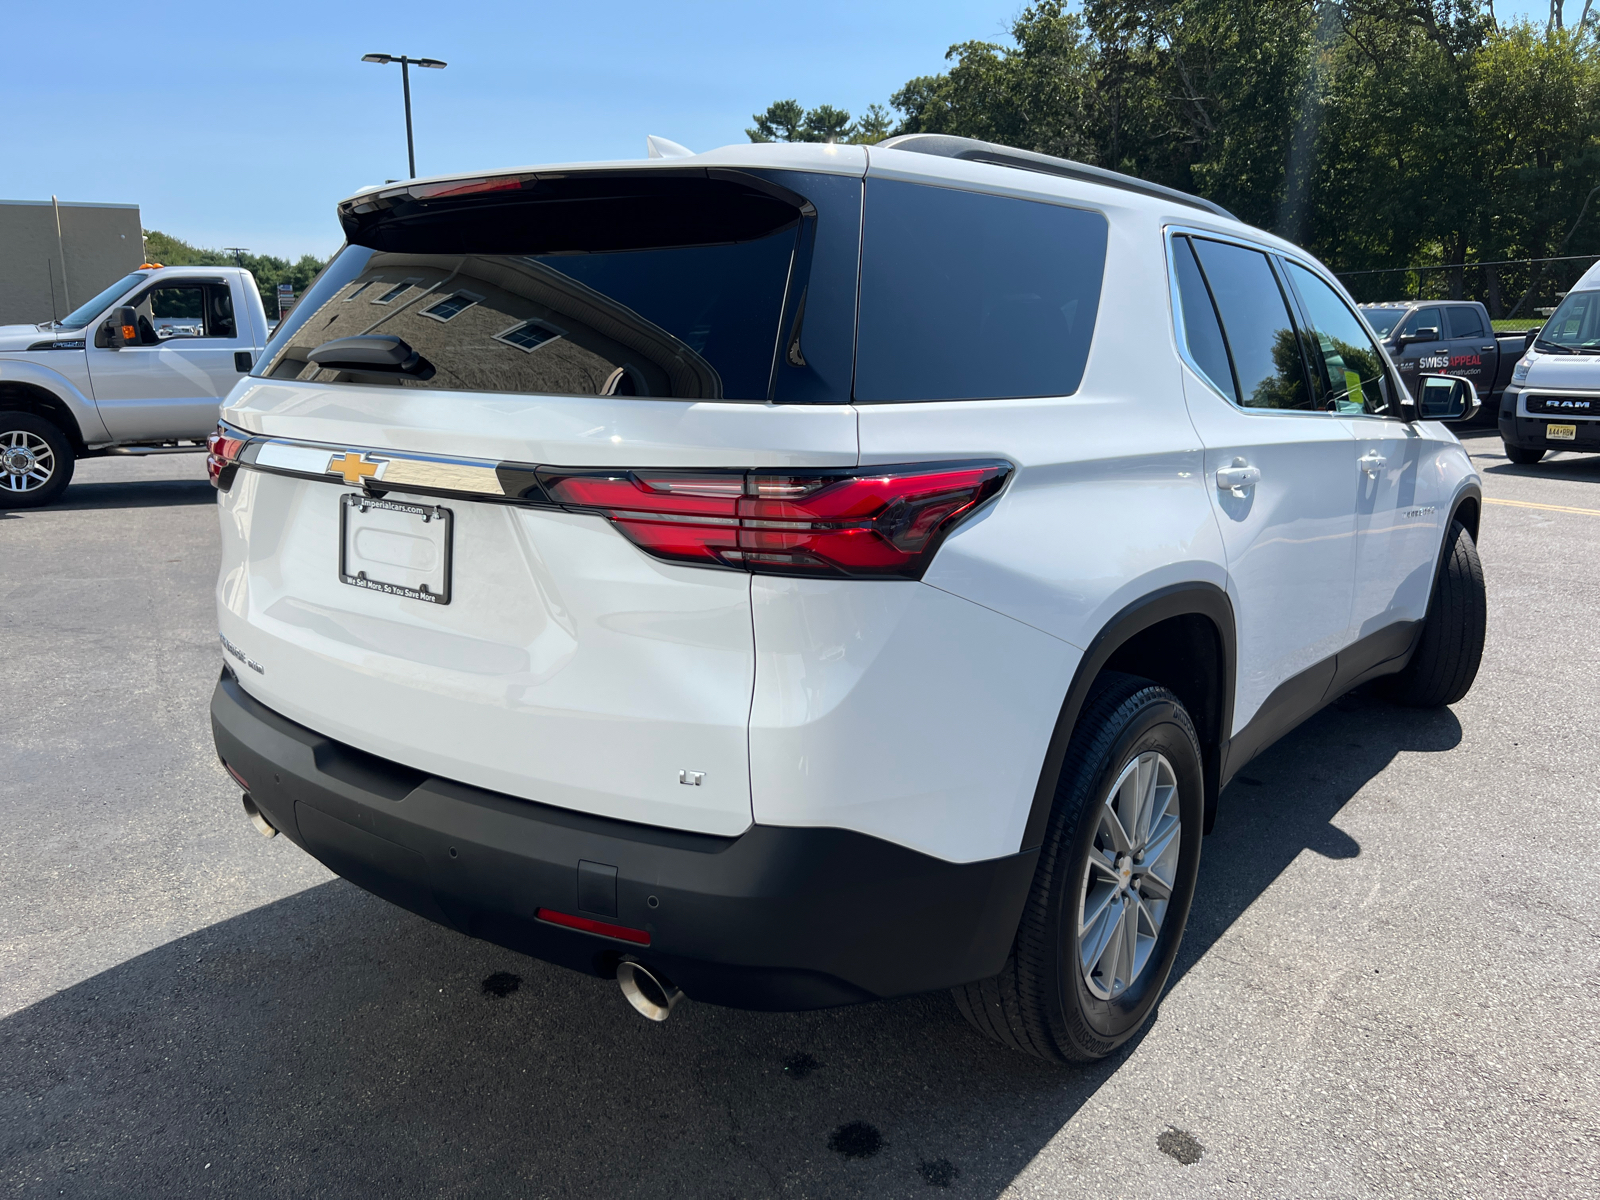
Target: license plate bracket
1561, 433
396, 547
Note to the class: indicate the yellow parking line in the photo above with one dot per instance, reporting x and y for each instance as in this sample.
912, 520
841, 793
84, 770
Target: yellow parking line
1588, 512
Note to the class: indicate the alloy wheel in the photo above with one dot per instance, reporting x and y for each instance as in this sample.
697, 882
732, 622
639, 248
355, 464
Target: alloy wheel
1133, 865
26, 461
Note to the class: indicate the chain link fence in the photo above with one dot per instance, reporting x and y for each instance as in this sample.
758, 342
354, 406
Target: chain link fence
1523, 289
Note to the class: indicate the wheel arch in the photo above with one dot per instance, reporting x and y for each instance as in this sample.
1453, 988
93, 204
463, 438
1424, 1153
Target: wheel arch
18, 396
1182, 637
1468, 509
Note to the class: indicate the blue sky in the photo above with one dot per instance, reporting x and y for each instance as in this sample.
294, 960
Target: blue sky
241, 125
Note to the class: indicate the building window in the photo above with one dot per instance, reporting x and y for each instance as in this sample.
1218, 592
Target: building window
396, 291
530, 335
359, 288
451, 306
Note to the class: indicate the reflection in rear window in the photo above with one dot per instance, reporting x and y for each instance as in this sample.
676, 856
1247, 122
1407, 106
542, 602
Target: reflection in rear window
604, 285
972, 296
697, 321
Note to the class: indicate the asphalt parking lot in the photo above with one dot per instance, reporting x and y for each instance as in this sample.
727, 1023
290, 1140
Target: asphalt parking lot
1390, 983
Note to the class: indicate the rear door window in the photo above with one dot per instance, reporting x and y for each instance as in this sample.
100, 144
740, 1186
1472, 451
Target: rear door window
973, 296
1465, 322
1262, 339
1201, 330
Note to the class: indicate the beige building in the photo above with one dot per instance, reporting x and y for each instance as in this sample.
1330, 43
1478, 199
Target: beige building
99, 243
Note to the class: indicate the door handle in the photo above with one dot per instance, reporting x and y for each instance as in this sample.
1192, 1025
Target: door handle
1372, 462
1237, 477
1496, 346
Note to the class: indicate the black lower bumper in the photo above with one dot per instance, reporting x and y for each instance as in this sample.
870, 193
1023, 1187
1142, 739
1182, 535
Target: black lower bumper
776, 918
1529, 432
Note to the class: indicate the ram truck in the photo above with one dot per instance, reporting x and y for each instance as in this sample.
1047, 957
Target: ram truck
1453, 336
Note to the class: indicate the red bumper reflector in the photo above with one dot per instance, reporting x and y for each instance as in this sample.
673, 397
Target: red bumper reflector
237, 778
604, 928
222, 451
866, 521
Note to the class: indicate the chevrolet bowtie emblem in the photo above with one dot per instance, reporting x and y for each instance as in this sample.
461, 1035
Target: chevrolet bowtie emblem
354, 467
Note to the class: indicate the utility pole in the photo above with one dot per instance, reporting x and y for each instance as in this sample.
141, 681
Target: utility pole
405, 83
238, 254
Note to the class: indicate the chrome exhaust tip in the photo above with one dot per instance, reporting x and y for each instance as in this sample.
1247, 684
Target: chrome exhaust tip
651, 995
263, 826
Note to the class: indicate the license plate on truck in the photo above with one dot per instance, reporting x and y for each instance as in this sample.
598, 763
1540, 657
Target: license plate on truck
1561, 433
395, 547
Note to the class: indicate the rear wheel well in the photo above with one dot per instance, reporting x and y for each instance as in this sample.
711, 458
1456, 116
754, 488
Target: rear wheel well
1183, 654
28, 398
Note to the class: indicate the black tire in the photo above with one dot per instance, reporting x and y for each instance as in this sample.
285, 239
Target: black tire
1446, 659
1041, 1002
23, 460
1524, 455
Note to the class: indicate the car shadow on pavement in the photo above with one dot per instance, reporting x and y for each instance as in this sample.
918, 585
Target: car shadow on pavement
138, 493
329, 1044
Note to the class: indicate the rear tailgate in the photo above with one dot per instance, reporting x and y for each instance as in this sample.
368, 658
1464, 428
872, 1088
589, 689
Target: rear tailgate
568, 666
555, 660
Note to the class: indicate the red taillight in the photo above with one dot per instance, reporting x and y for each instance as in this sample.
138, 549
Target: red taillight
886, 522
222, 452
604, 928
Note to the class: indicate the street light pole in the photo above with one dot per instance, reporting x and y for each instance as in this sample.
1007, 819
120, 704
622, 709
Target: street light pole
405, 83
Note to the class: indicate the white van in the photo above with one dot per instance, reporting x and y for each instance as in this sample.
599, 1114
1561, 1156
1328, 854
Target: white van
1553, 400
141, 368
799, 575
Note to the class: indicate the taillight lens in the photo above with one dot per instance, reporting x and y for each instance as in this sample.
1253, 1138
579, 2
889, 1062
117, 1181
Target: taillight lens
885, 521
222, 453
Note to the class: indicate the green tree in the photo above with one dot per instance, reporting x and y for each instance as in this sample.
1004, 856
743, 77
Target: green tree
789, 121
269, 271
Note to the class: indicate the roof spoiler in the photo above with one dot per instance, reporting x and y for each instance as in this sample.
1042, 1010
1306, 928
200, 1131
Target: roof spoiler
972, 150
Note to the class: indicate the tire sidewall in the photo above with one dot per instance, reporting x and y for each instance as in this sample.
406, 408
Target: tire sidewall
1097, 1025
60, 447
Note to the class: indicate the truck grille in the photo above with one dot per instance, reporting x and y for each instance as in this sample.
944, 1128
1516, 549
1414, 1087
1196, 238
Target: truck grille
1565, 406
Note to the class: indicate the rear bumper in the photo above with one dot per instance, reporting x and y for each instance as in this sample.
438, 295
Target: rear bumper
776, 918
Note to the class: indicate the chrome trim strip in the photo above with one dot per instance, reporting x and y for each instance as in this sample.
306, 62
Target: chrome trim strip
393, 470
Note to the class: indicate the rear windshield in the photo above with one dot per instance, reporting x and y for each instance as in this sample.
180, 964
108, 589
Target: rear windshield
973, 296
653, 287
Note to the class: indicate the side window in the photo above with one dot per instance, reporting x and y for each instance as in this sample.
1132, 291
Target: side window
971, 296
1201, 331
1465, 322
1352, 367
1255, 318
185, 310
1423, 318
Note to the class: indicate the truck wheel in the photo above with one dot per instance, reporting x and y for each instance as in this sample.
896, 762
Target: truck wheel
35, 461
1446, 660
1111, 893
1526, 455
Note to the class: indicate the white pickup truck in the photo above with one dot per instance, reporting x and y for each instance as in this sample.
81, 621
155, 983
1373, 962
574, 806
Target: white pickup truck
140, 369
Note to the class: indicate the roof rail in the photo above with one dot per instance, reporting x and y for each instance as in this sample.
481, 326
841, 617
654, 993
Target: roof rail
972, 150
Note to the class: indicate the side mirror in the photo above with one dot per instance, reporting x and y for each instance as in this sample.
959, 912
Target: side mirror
1428, 333
122, 328
1446, 398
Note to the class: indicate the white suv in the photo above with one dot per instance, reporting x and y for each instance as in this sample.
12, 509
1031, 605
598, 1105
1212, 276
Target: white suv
799, 575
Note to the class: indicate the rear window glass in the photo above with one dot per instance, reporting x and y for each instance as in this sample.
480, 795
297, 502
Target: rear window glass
973, 296
538, 292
